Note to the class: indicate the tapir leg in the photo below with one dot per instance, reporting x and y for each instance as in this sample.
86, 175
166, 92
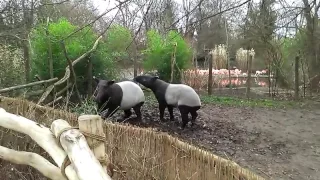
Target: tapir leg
127, 113
184, 111
162, 107
194, 114
170, 109
137, 110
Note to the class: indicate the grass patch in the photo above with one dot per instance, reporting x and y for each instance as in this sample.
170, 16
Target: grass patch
234, 101
88, 106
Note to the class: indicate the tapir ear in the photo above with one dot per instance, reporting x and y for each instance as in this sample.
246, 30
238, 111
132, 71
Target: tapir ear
155, 78
110, 82
96, 79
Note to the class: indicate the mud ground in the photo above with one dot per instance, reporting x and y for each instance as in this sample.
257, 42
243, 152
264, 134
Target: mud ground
280, 144
274, 143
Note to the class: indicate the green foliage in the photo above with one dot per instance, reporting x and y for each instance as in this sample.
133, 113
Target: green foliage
118, 39
88, 106
289, 49
76, 45
159, 52
291, 46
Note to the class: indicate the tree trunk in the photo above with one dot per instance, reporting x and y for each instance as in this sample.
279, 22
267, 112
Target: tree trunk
89, 77
50, 59
135, 65
313, 45
26, 57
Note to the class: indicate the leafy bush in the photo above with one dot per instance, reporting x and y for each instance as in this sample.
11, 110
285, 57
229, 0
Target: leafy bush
159, 52
76, 45
118, 39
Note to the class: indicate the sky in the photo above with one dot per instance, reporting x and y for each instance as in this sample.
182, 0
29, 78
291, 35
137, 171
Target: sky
103, 5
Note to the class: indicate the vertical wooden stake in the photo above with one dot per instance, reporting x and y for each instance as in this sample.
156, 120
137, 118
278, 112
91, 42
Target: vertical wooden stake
210, 75
228, 60
135, 57
173, 61
49, 50
89, 77
229, 72
91, 125
296, 78
249, 75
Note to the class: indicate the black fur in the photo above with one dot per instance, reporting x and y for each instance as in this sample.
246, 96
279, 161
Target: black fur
108, 90
159, 87
185, 110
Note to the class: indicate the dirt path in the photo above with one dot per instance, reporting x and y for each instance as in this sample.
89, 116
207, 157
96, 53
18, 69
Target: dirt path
294, 137
274, 143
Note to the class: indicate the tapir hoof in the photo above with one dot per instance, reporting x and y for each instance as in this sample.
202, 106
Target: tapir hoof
182, 129
140, 119
143, 121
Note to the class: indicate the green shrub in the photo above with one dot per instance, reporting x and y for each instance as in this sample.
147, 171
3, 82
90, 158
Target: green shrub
159, 52
76, 45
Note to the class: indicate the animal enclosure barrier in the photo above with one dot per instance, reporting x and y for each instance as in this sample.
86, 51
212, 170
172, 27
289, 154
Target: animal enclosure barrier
136, 153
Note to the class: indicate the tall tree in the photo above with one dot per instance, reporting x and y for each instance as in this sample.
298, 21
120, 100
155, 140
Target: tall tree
311, 15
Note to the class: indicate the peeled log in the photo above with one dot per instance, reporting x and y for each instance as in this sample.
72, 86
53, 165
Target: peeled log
92, 127
27, 85
40, 134
34, 160
74, 143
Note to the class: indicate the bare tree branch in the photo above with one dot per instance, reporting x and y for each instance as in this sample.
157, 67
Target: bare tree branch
133, 39
187, 14
55, 3
213, 15
121, 3
73, 75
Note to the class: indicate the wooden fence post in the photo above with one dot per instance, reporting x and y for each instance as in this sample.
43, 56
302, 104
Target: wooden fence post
173, 61
210, 78
249, 74
91, 126
296, 78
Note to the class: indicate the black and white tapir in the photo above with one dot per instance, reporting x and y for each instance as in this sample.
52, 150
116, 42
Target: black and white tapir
123, 95
173, 95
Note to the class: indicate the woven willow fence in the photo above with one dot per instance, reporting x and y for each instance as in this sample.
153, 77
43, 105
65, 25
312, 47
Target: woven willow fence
138, 153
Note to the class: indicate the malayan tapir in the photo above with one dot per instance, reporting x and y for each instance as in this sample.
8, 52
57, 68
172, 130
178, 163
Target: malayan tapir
173, 95
123, 95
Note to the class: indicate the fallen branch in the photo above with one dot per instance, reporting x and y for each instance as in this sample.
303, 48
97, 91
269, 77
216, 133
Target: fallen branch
67, 73
34, 93
32, 159
46, 93
54, 101
73, 75
64, 89
27, 85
